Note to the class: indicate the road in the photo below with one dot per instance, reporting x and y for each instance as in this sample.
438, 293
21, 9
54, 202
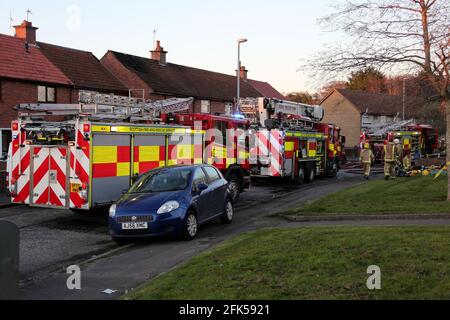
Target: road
52, 240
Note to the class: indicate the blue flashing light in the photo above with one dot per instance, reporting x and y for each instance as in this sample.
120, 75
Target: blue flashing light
238, 116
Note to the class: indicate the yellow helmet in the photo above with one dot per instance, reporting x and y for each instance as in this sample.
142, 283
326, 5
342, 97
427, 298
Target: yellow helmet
366, 146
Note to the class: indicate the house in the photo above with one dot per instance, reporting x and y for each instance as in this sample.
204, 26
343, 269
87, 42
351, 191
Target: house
154, 78
264, 88
37, 72
355, 110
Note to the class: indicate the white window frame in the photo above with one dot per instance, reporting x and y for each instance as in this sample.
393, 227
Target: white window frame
46, 89
205, 106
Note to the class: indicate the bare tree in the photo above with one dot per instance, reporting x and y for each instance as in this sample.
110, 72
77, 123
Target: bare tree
403, 36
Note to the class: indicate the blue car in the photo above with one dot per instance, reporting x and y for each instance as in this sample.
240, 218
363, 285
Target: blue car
171, 201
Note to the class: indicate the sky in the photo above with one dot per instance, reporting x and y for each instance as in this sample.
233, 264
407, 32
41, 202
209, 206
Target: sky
197, 33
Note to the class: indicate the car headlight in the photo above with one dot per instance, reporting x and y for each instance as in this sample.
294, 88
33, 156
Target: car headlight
169, 207
112, 211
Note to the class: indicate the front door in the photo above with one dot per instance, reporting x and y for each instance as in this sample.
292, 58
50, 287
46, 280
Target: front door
49, 183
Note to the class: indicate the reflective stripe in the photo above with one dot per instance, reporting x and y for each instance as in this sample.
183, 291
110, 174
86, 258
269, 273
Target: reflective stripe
123, 169
289, 146
105, 155
149, 154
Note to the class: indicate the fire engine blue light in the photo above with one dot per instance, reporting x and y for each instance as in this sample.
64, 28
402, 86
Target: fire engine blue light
239, 116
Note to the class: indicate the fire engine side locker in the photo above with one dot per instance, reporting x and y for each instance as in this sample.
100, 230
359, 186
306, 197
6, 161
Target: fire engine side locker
120, 153
111, 166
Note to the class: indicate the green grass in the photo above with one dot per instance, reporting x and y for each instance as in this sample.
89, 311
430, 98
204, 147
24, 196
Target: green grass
401, 196
314, 263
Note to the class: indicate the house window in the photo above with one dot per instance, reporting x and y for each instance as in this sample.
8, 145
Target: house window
46, 94
206, 106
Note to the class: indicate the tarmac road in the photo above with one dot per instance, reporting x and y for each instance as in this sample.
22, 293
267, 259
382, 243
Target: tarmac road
52, 240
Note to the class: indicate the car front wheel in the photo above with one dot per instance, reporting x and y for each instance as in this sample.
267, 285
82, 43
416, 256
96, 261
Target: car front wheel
228, 213
191, 226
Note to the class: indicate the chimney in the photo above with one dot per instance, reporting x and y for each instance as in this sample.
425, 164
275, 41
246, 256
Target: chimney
27, 32
159, 54
243, 74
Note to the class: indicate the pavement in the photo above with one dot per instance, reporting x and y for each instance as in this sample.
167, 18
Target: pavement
52, 240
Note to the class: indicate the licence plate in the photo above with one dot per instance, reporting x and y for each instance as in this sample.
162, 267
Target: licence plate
135, 226
75, 187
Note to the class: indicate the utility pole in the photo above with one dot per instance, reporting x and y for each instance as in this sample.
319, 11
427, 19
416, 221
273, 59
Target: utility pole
238, 74
404, 98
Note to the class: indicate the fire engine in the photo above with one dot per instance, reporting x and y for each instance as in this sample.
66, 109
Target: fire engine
419, 138
81, 156
226, 145
289, 140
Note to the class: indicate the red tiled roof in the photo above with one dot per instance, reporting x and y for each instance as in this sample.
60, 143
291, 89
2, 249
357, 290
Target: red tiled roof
381, 104
174, 79
82, 68
266, 90
17, 63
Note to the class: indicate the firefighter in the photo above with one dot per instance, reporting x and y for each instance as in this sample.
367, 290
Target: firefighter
407, 159
389, 159
367, 159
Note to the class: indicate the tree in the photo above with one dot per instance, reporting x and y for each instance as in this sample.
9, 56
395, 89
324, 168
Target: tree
301, 97
368, 79
330, 86
409, 36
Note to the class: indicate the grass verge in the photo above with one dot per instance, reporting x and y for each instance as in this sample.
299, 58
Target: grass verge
400, 196
314, 263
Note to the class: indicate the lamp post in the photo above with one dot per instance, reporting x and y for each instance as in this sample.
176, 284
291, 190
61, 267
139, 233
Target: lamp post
238, 97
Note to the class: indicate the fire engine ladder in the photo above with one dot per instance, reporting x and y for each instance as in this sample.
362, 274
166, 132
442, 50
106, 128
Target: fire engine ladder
99, 107
382, 130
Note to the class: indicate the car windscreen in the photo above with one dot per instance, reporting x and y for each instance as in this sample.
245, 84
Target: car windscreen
162, 181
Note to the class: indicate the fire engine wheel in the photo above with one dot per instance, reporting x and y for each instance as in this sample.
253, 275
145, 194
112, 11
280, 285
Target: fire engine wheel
310, 175
234, 187
301, 176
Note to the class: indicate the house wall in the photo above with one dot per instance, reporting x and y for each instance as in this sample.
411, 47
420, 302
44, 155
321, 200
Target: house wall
16, 92
340, 111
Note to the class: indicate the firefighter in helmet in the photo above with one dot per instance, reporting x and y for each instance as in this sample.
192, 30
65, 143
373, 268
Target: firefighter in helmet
407, 158
389, 159
367, 159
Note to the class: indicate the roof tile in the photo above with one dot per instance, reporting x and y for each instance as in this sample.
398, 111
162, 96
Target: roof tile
17, 63
174, 79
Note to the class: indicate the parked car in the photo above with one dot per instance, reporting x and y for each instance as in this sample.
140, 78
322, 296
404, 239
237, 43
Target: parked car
171, 201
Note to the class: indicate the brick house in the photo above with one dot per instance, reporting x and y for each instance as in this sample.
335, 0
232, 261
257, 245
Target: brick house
33, 72
264, 88
154, 78
353, 110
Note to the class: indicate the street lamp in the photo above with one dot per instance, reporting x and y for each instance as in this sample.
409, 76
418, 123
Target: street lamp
238, 97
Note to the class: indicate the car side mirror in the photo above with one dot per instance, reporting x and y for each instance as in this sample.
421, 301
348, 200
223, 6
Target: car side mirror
202, 187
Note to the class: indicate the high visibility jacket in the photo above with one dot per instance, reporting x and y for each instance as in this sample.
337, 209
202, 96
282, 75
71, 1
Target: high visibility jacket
366, 156
398, 151
389, 152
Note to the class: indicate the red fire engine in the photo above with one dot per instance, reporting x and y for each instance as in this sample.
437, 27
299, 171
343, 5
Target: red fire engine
290, 140
226, 144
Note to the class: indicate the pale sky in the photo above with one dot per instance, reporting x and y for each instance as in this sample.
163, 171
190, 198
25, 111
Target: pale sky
197, 33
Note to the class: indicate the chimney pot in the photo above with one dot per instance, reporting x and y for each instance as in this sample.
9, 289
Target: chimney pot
243, 74
27, 32
159, 54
